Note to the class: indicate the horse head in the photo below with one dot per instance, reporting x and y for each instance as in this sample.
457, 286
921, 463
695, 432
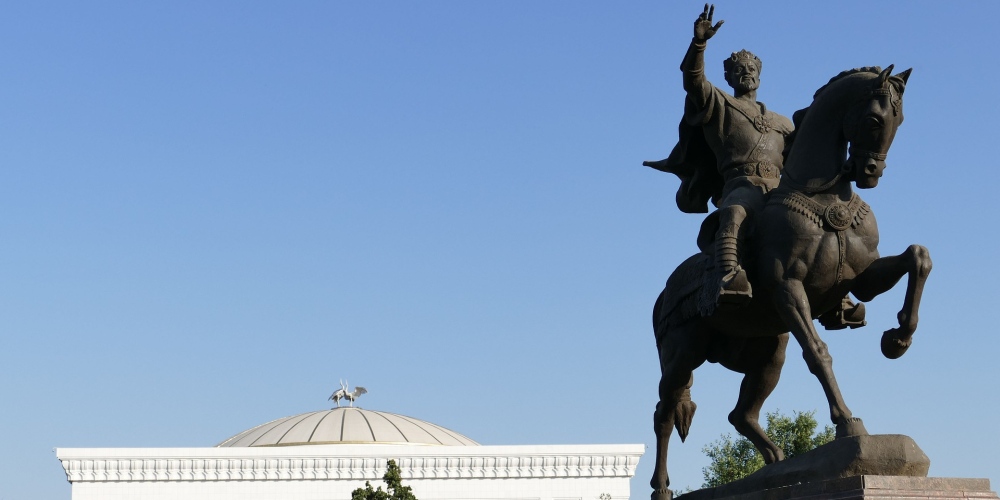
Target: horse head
855, 115
870, 127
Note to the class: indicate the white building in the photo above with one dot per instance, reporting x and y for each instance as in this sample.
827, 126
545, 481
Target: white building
325, 455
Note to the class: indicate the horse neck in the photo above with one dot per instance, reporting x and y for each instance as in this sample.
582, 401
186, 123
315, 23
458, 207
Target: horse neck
819, 152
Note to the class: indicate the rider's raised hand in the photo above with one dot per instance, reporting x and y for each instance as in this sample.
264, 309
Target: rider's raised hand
703, 29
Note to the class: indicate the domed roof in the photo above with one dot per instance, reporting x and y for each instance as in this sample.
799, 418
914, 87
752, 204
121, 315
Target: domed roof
347, 426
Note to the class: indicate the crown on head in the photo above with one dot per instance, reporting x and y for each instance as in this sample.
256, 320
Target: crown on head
742, 55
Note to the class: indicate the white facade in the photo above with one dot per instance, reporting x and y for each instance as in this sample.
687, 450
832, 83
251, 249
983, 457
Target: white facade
332, 471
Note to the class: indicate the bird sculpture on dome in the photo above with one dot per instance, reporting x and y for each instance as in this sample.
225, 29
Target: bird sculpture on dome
338, 394
351, 396
343, 393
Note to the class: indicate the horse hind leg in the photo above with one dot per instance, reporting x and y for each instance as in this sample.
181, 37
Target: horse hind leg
680, 354
760, 361
676, 410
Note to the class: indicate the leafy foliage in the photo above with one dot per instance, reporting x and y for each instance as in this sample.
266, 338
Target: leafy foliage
732, 460
394, 487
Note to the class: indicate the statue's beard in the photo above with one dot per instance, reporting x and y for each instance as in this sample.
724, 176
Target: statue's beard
744, 85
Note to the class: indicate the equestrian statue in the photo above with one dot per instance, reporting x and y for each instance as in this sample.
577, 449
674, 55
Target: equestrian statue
789, 241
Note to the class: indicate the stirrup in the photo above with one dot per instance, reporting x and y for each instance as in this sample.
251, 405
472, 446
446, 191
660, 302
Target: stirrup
847, 314
735, 289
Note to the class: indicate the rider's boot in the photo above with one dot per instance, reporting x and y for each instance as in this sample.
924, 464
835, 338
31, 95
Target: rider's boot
734, 287
847, 314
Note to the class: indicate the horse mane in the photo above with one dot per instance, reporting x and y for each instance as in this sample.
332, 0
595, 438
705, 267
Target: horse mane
800, 115
846, 73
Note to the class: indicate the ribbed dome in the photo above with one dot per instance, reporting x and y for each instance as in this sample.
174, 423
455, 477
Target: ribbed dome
347, 425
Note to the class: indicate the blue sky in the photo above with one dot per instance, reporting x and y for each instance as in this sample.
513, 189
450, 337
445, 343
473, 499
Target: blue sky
211, 212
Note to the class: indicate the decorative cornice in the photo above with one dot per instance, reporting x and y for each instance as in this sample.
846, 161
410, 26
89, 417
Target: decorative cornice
360, 462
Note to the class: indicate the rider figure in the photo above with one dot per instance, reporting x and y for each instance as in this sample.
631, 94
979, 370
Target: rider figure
731, 151
747, 140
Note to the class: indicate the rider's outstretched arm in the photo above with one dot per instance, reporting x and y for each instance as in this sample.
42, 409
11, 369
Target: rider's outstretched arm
693, 65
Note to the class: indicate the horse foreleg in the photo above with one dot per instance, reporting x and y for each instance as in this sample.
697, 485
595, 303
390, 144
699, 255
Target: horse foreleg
881, 276
792, 304
760, 361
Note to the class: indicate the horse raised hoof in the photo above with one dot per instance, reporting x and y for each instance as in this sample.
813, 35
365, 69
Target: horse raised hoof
851, 427
662, 494
892, 345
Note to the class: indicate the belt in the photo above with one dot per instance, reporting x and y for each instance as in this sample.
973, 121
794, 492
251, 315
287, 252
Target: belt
762, 169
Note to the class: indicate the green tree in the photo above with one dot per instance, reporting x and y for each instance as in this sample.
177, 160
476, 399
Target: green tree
394, 487
732, 460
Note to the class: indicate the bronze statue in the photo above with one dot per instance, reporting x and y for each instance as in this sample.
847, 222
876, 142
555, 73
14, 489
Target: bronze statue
811, 242
731, 150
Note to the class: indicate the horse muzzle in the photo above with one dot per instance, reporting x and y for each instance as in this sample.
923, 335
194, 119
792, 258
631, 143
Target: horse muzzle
867, 171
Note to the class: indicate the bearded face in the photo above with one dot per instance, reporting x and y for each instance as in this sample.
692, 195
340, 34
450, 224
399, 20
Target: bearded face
743, 77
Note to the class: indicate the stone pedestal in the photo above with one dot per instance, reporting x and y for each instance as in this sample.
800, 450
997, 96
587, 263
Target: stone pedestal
867, 488
876, 467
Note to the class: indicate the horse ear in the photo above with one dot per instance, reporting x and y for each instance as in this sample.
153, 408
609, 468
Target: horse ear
899, 80
884, 75
905, 75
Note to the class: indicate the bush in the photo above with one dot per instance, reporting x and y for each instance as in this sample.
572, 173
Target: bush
732, 460
394, 487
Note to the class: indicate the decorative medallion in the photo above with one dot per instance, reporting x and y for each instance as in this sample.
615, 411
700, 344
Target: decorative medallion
768, 171
762, 124
838, 216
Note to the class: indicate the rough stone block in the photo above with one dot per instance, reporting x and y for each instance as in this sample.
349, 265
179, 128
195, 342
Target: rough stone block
868, 456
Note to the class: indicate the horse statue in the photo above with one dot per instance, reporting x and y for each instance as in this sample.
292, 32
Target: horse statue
815, 241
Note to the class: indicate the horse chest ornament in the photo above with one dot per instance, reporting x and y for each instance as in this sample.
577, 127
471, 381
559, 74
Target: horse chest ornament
837, 216
747, 330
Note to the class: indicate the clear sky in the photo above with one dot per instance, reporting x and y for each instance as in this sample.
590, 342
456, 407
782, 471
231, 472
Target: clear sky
212, 211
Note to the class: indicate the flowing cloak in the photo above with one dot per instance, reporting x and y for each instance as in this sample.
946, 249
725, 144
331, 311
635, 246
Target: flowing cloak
693, 161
